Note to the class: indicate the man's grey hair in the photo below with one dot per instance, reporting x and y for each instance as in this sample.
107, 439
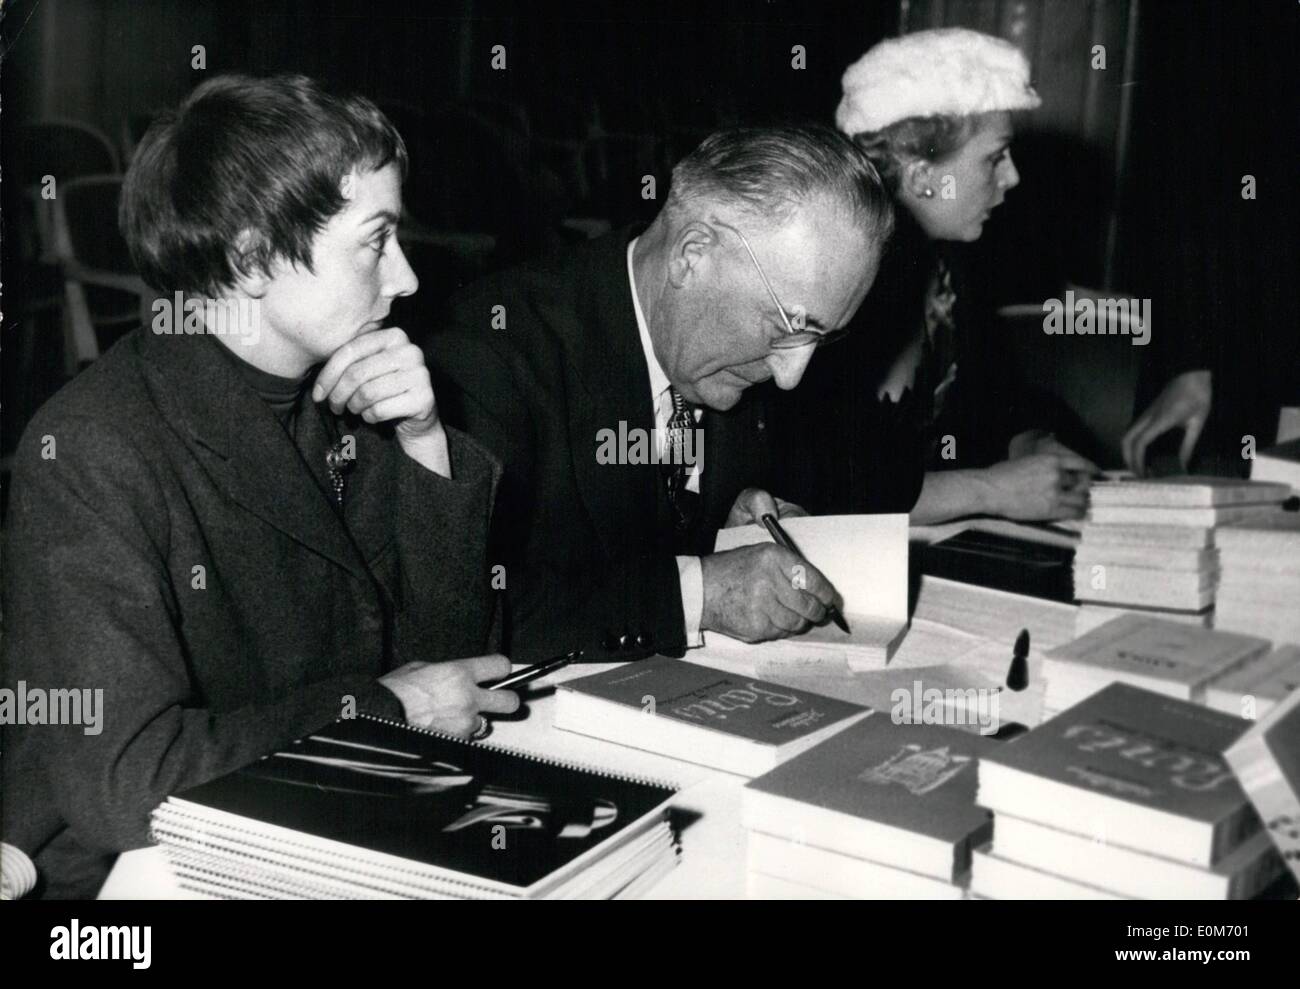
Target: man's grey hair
770, 172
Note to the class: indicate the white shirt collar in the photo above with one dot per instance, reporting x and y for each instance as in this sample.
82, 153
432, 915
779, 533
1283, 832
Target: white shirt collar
659, 382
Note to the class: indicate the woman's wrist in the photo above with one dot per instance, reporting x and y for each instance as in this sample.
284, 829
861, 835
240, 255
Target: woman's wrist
429, 448
1023, 444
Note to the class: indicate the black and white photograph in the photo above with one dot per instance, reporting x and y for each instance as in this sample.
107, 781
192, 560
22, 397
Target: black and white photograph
655, 450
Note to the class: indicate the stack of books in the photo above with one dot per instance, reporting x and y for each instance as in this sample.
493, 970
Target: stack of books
1150, 544
1253, 690
1259, 583
700, 714
1167, 657
371, 809
880, 811
1126, 795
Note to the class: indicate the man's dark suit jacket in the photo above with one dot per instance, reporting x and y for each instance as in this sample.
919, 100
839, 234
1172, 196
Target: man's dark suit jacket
162, 460
588, 547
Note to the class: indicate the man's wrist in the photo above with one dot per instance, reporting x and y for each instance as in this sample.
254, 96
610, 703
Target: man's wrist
706, 616
690, 577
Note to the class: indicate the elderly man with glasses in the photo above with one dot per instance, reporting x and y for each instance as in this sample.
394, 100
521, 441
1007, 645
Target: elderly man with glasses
596, 375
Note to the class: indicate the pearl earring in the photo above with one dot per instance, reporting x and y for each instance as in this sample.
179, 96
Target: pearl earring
928, 193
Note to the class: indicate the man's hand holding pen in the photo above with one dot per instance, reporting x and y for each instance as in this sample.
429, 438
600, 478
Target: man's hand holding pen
763, 592
766, 591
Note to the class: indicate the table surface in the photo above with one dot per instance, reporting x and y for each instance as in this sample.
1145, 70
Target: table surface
713, 841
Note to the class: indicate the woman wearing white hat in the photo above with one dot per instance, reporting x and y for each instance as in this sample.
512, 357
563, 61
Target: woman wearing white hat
933, 111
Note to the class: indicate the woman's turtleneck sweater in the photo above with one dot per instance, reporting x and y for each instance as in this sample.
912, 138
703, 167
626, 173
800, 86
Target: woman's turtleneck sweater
310, 426
283, 395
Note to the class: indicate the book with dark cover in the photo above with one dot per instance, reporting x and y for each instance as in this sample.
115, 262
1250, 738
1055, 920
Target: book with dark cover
1122, 760
434, 802
1004, 563
704, 697
919, 779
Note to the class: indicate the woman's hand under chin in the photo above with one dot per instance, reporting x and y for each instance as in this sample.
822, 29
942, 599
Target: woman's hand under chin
381, 377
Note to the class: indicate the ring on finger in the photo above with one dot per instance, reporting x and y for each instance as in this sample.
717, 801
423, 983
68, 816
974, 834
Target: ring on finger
483, 729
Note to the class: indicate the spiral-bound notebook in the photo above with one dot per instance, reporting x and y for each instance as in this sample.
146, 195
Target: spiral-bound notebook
366, 808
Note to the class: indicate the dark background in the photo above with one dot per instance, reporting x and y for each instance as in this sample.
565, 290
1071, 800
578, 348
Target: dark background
1131, 176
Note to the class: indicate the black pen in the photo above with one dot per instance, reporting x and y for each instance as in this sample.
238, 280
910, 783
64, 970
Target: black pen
780, 537
530, 673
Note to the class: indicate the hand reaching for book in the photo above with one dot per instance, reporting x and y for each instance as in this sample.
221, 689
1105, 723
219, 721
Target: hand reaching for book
446, 697
1038, 487
1184, 403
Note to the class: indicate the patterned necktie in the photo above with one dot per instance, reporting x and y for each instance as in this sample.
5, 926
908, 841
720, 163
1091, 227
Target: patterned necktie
684, 503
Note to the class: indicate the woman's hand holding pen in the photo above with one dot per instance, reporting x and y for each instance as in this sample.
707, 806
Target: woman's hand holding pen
446, 697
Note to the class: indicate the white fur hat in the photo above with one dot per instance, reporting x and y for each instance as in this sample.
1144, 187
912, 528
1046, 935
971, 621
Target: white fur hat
950, 71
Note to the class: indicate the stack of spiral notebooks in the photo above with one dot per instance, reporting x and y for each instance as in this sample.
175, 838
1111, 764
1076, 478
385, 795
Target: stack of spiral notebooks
371, 809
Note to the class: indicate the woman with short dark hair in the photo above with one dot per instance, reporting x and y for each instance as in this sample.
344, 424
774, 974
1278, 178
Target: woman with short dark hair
247, 519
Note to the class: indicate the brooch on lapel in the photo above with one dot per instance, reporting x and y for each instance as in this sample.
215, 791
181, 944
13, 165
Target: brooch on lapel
339, 461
